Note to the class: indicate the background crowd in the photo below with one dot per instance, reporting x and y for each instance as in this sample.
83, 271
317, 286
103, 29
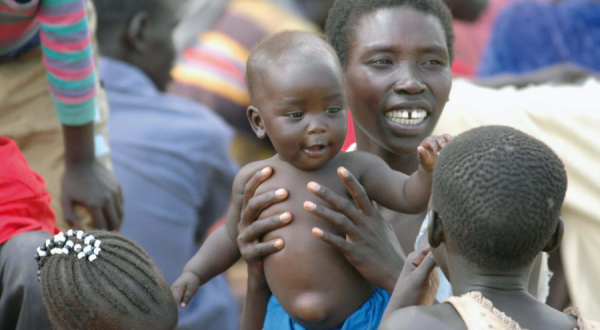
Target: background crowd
134, 115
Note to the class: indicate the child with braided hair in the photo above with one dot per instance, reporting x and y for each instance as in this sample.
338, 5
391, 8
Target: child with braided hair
102, 280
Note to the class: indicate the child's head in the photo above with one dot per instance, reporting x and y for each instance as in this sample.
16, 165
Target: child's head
497, 196
298, 98
120, 290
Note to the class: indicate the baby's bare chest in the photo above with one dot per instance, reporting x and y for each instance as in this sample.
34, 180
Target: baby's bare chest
296, 182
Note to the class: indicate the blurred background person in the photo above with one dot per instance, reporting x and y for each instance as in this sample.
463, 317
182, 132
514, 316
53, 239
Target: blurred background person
171, 154
51, 105
530, 35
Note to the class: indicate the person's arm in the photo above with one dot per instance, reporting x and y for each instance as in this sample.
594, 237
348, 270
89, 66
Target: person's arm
217, 253
368, 242
87, 182
68, 57
396, 191
221, 249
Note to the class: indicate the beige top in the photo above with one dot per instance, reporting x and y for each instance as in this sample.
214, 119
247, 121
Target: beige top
478, 313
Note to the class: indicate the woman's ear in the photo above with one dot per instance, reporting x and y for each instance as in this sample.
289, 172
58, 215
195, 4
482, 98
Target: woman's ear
256, 122
136, 32
435, 232
556, 238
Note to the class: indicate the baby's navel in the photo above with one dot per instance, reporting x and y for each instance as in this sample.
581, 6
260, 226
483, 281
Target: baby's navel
311, 307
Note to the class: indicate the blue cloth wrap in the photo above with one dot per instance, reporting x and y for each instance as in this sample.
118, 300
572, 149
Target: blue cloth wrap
367, 317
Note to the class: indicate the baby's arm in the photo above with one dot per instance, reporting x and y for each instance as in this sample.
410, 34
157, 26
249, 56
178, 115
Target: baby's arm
219, 251
395, 190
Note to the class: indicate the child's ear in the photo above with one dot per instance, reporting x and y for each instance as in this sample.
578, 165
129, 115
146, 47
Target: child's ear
256, 122
556, 238
435, 232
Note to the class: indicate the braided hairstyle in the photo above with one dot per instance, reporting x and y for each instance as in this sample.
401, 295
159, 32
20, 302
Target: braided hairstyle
344, 18
499, 192
116, 287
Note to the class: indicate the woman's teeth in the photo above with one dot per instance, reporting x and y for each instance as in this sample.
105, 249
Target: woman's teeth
407, 117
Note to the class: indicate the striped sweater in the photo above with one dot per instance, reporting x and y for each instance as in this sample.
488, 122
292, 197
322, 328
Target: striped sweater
60, 27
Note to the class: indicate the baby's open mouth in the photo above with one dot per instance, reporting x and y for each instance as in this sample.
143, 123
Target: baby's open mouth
315, 150
408, 117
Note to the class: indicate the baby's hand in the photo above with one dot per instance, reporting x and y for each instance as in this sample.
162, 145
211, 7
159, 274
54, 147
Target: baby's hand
430, 149
185, 288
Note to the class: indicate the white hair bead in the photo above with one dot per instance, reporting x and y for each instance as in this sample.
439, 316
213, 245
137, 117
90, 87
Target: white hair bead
97, 250
79, 234
69, 244
41, 253
78, 248
70, 232
87, 248
88, 239
81, 255
92, 257
97, 243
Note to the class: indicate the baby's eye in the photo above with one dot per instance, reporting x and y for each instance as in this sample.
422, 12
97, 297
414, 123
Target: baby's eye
332, 110
294, 115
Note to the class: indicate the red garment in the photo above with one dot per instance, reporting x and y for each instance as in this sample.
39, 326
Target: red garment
350, 136
24, 202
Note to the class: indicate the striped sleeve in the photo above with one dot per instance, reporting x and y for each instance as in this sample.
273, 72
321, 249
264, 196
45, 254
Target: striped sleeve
67, 52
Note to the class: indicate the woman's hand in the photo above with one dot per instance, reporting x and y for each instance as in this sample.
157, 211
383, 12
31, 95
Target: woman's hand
370, 244
251, 230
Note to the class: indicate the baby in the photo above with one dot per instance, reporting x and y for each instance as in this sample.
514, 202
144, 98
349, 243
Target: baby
297, 91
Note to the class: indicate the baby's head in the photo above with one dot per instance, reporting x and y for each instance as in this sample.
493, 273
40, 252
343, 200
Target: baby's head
112, 285
298, 99
497, 196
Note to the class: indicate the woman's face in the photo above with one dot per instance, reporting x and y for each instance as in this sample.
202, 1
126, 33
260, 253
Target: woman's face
398, 77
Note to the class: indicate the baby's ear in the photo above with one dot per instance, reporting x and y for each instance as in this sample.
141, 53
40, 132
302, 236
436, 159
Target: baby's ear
556, 238
256, 122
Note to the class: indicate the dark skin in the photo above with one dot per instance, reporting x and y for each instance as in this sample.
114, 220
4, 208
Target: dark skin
146, 42
302, 110
507, 289
408, 63
88, 183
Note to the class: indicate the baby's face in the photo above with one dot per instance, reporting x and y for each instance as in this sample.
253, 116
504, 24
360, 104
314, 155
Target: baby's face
303, 108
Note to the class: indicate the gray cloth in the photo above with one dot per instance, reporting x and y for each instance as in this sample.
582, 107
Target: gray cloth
21, 306
171, 157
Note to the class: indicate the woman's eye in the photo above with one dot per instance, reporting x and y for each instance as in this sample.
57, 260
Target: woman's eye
381, 62
294, 115
434, 62
332, 110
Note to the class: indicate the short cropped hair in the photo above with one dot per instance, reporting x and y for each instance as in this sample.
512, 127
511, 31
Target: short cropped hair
499, 192
345, 15
121, 289
285, 47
